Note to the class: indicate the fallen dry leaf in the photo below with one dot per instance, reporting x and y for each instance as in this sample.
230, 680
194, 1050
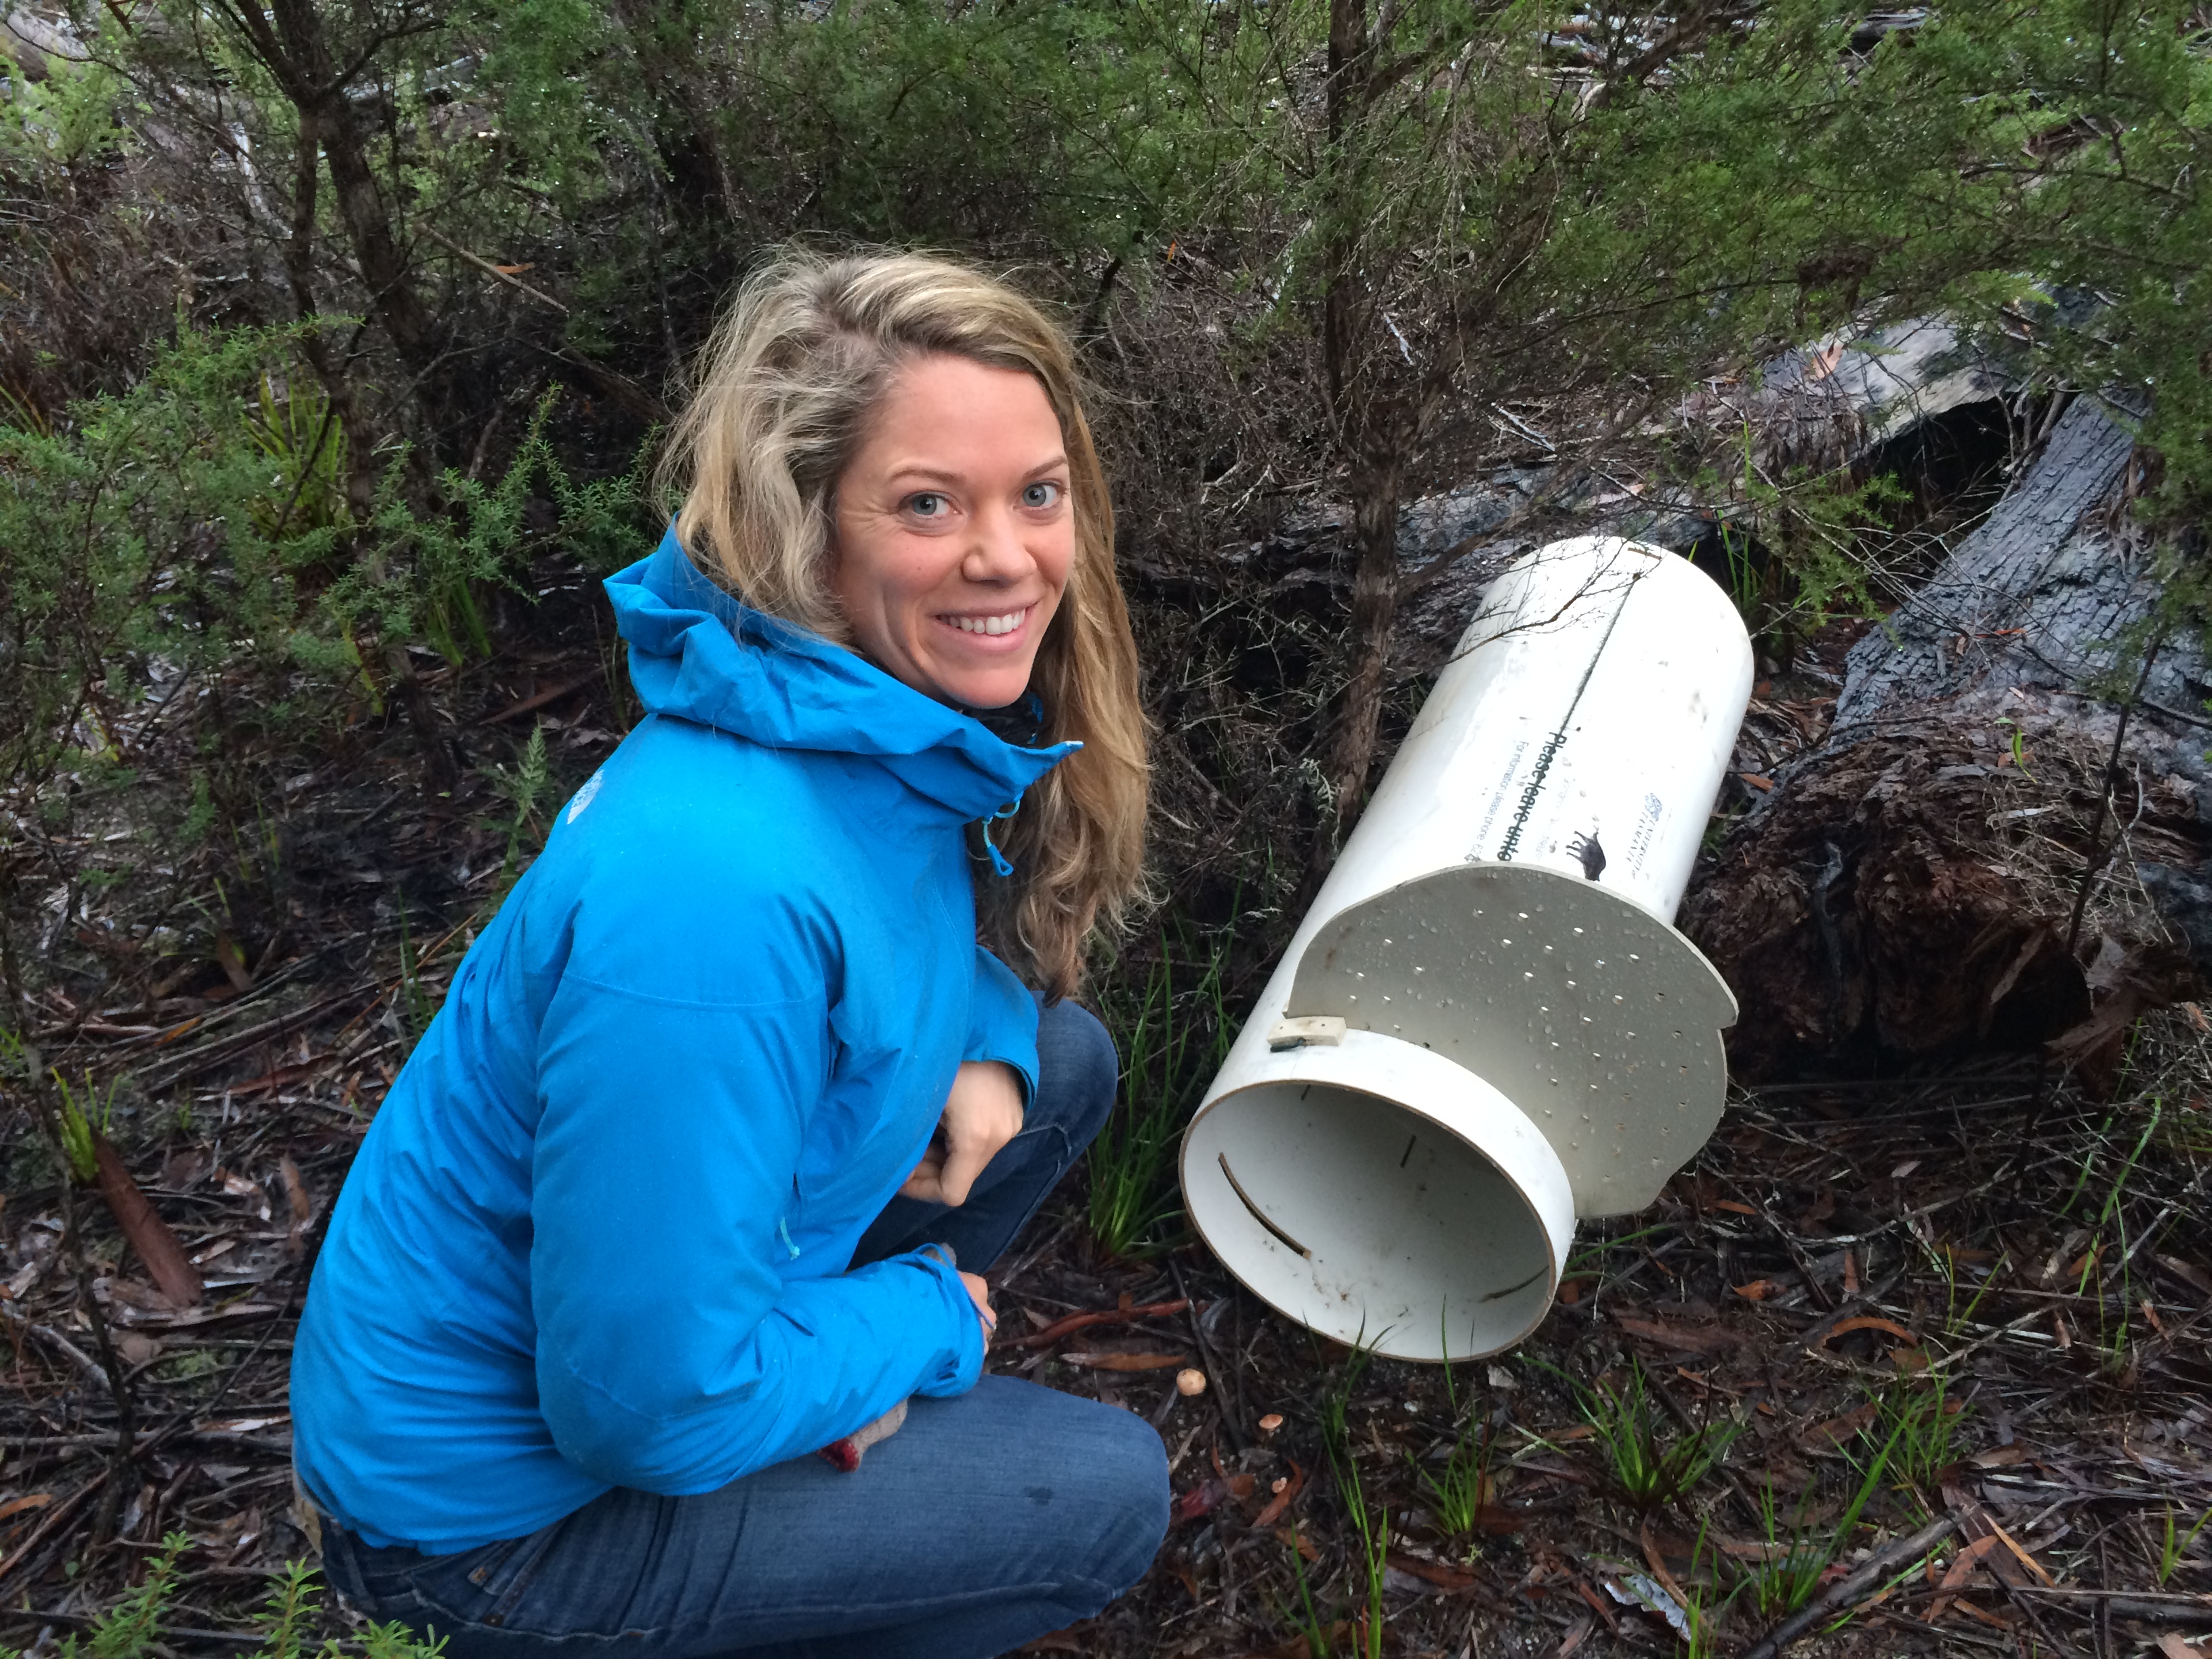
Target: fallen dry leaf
1758, 1290
1285, 1491
1962, 1569
2173, 1647
1838, 1429
1867, 1323
296, 1199
1208, 1495
2020, 1554
1693, 1339
1431, 1572
1127, 1362
1120, 1316
1984, 1616
149, 1236
36, 1500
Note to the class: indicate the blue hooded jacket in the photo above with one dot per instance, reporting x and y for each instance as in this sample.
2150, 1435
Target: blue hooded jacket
597, 1234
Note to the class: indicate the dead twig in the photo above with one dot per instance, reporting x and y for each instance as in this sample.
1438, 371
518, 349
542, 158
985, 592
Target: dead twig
1061, 1328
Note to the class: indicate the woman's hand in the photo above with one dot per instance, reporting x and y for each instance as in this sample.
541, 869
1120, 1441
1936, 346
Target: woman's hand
980, 1294
982, 1113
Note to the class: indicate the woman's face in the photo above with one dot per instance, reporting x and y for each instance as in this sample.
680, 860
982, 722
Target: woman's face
954, 532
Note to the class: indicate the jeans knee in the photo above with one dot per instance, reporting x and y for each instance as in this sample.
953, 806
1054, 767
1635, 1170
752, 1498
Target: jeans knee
1077, 1066
1133, 1502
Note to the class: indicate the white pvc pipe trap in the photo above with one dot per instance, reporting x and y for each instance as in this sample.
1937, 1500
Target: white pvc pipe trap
1485, 1026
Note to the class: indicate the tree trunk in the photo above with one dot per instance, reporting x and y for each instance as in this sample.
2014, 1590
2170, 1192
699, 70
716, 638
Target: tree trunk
384, 268
296, 51
683, 127
1376, 487
329, 367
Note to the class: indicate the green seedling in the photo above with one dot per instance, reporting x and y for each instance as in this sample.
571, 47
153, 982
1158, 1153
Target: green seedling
1650, 1466
1308, 1621
524, 786
1699, 1612
1590, 1258
80, 1120
131, 1629
1921, 1423
414, 1006
1743, 578
1371, 1527
1799, 1556
2176, 1543
1955, 1318
1459, 1491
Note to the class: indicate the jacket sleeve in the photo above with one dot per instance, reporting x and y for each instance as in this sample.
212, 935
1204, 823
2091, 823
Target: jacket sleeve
671, 1355
1002, 1024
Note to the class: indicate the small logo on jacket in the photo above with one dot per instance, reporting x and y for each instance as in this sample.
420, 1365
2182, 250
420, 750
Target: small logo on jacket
586, 795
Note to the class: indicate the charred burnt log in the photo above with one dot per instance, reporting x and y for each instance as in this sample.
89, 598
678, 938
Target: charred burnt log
1910, 888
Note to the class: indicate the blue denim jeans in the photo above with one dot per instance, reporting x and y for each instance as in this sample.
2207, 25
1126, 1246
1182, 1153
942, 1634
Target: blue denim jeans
987, 1520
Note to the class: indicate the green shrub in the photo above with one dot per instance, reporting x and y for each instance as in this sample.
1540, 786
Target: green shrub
200, 523
131, 1629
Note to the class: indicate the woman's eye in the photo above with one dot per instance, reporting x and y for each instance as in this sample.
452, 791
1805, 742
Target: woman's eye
926, 504
1041, 496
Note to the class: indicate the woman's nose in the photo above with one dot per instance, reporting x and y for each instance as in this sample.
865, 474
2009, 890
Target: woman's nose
996, 551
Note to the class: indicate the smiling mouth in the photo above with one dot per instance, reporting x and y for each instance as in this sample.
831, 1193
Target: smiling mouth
1004, 624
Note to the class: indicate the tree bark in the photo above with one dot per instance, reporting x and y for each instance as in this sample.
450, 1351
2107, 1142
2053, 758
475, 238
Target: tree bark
1902, 892
1377, 487
292, 45
329, 367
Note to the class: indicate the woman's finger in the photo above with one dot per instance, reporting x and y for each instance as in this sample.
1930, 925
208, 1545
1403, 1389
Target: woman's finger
963, 1163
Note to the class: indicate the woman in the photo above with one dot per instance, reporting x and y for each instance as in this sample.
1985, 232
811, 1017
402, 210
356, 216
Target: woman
695, 1174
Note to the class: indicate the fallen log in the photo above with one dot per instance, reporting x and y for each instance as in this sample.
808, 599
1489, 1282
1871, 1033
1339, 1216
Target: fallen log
1996, 844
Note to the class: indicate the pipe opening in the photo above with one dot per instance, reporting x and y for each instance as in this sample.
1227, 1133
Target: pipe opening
1371, 1221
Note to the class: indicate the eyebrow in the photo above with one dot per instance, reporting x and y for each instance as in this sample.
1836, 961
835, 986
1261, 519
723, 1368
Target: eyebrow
941, 475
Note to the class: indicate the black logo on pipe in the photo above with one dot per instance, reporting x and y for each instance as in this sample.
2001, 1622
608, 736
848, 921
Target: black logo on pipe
1557, 741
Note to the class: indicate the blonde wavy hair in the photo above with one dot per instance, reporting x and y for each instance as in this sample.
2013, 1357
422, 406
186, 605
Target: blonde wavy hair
785, 390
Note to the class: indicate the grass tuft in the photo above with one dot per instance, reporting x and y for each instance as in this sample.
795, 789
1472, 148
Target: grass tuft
1175, 1032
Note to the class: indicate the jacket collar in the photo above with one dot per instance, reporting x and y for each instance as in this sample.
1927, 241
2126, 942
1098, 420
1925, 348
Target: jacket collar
699, 654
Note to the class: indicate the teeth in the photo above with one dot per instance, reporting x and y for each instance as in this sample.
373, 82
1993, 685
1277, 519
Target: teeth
1005, 624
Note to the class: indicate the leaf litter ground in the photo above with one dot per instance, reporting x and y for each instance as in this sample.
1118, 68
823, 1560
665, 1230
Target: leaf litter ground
1972, 1309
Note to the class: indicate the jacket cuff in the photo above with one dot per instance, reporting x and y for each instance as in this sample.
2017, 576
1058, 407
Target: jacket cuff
1002, 1024
962, 1361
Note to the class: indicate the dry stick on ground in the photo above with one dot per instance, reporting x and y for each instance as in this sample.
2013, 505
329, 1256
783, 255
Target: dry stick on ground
48, 1118
1847, 1591
1074, 1322
1224, 1401
61, 1512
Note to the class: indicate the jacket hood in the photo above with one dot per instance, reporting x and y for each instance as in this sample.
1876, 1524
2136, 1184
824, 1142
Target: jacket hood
697, 653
